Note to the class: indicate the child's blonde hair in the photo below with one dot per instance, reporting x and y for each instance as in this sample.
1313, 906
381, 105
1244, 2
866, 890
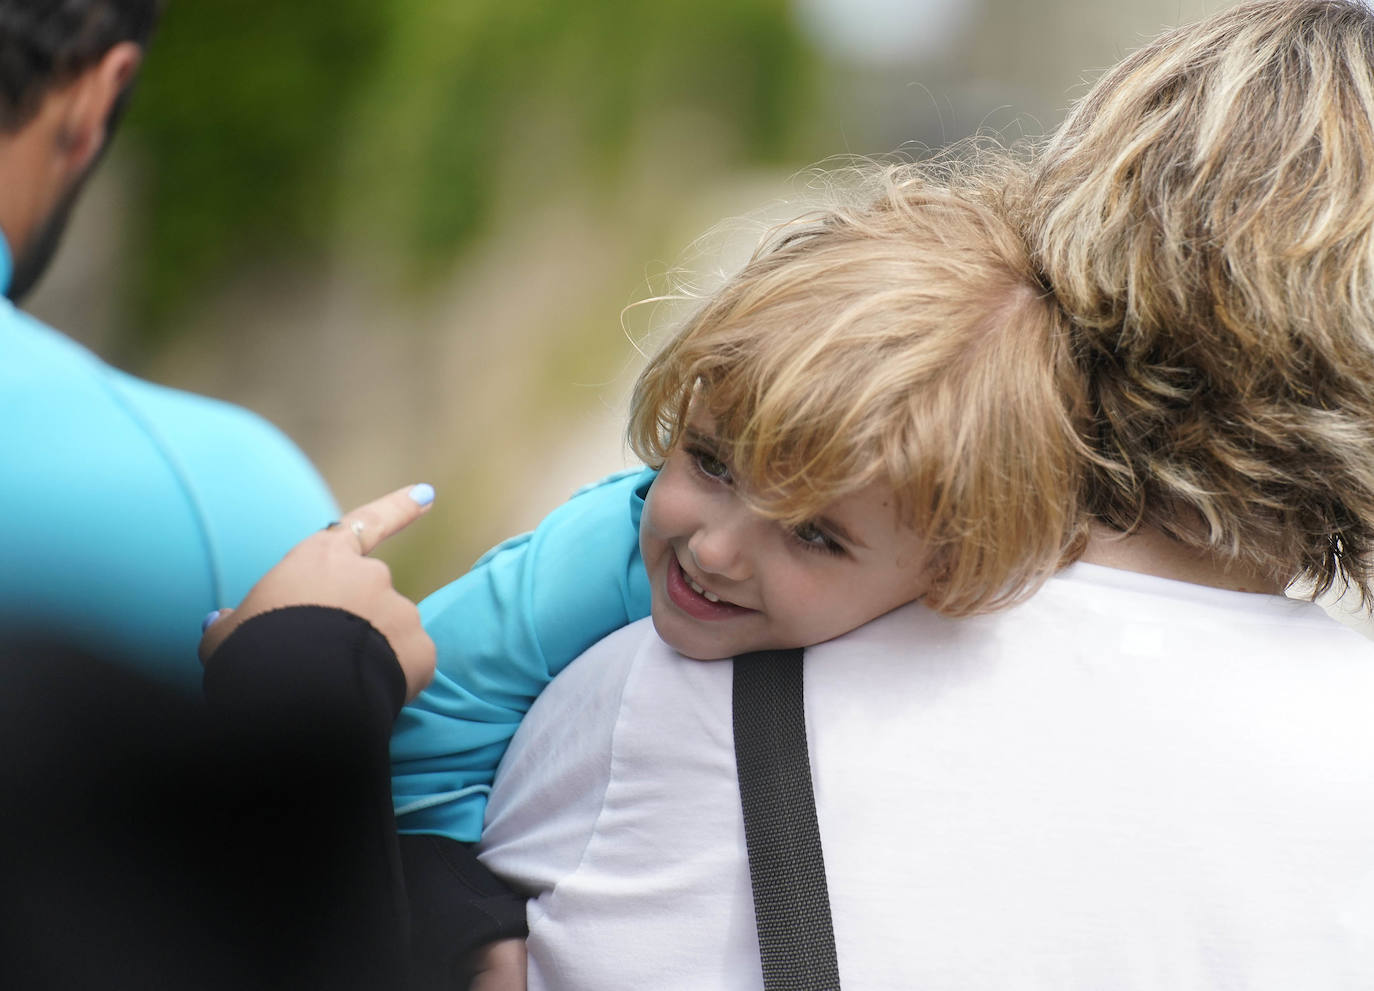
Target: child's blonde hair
904, 342
1206, 216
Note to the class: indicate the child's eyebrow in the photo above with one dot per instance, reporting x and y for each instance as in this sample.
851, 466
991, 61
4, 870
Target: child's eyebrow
694, 436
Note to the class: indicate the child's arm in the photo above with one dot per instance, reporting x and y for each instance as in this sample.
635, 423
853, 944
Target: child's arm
525, 610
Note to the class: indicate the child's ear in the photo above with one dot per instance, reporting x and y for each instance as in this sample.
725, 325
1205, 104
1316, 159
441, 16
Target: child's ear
89, 100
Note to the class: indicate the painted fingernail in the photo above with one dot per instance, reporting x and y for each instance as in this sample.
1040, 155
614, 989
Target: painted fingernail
422, 494
210, 617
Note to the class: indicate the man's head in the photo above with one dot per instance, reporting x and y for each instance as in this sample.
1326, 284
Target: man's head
1206, 217
65, 69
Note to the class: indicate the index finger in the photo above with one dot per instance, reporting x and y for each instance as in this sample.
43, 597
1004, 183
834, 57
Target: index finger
375, 521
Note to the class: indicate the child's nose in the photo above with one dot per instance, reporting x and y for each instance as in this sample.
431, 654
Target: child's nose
720, 550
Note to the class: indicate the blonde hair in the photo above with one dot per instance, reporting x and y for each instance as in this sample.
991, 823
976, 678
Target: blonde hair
1206, 217
905, 342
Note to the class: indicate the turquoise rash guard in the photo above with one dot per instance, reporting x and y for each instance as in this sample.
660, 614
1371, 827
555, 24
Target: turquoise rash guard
527, 608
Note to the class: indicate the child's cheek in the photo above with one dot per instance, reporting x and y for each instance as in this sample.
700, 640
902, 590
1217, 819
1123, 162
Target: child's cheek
655, 525
667, 505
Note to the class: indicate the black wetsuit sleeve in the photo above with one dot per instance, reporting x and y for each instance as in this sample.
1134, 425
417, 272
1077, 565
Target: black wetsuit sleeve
307, 672
154, 839
304, 698
321, 687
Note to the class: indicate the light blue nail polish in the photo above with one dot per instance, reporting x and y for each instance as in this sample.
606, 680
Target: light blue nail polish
422, 494
210, 617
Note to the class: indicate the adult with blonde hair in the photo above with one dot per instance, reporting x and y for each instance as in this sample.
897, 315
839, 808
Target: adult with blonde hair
1206, 216
1153, 770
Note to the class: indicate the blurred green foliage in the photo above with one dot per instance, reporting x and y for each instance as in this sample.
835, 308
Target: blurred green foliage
269, 129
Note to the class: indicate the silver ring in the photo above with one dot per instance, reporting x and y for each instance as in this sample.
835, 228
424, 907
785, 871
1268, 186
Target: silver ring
356, 527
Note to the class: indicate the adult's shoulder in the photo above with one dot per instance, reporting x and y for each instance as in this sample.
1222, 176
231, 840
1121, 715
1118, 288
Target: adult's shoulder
144, 506
553, 779
55, 387
209, 434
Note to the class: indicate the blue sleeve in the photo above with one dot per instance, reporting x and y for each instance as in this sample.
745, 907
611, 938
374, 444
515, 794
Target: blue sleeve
523, 613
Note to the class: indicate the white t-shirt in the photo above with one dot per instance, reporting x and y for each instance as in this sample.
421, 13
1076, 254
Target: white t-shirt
1123, 783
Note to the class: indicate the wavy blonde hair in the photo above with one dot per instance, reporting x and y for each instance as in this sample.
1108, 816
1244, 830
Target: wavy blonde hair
1206, 217
904, 341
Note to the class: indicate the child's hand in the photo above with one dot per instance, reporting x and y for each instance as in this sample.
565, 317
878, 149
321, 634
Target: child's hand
499, 966
331, 568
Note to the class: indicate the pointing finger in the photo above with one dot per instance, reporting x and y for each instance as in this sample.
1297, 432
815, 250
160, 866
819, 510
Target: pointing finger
374, 522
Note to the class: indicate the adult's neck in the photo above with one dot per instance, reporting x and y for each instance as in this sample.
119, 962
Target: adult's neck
1149, 551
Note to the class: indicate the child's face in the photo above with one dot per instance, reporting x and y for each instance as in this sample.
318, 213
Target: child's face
727, 580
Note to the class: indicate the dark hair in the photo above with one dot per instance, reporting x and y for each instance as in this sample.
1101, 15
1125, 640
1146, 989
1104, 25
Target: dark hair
44, 43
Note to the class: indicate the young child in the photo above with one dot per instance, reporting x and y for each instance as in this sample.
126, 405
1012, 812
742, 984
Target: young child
877, 409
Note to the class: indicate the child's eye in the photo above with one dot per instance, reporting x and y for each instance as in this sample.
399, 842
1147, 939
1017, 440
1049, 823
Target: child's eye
710, 465
814, 538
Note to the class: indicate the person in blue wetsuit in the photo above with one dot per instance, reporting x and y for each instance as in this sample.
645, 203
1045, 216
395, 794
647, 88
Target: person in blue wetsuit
135, 509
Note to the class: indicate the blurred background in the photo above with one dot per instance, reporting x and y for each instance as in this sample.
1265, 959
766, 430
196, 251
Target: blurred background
405, 232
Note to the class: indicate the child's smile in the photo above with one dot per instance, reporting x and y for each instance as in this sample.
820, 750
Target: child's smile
695, 599
727, 580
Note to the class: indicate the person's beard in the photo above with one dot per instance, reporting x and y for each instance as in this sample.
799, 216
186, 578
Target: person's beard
32, 262
30, 265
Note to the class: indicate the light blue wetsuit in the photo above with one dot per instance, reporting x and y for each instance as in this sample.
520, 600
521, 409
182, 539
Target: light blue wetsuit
522, 614
131, 510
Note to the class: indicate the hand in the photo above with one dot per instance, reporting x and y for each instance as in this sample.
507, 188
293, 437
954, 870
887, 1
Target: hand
331, 568
499, 966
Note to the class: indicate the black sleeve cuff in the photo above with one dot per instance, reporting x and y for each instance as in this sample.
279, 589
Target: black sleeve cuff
310, 667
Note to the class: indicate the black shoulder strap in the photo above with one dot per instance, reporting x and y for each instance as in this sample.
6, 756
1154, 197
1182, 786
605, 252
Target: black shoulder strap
786, 865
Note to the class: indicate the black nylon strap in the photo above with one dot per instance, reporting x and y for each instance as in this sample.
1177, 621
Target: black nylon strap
786, 865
